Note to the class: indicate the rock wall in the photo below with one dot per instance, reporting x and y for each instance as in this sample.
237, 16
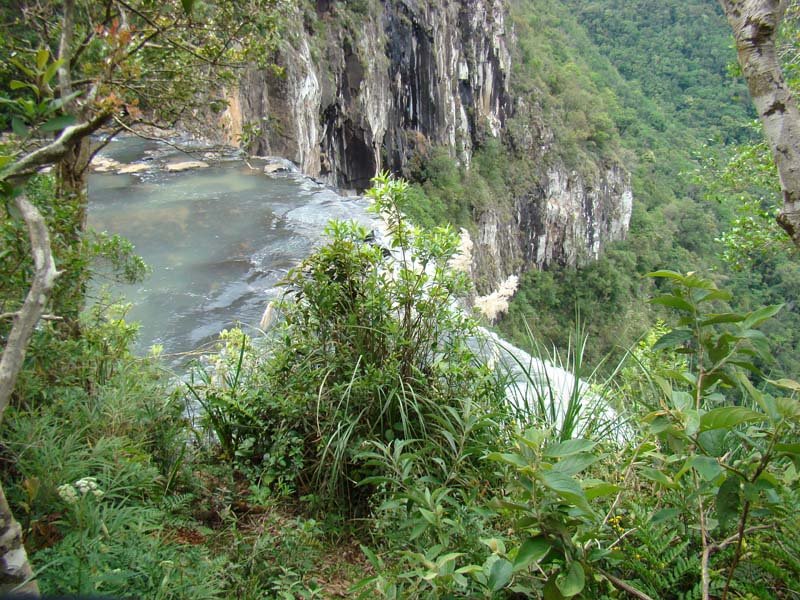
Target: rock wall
365, 85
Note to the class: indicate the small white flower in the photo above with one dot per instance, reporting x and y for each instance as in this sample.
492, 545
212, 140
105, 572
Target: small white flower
67, 493
88, 485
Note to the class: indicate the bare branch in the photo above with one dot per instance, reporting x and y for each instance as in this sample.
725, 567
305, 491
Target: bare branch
624, 586
53, 151
64, 50
38, 295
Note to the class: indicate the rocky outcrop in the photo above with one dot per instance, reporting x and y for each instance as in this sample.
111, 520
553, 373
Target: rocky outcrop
352, 98
364, 86
567, 219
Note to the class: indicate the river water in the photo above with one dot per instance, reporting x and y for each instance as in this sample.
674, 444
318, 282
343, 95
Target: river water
217, 239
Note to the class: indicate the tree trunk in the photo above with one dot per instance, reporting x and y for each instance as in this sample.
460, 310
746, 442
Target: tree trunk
71, 181
15, 570
755, 24
16, 574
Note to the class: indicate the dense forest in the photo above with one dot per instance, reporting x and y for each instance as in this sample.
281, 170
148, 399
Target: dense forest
371, 437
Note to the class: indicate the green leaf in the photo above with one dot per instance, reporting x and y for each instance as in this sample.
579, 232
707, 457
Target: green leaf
566, 487
708, 468
601, 489
713, 319
511, 459
572, 465
665, 514
675, 302
657, 476
728, 417
188, 5
429, 516
58, 123
41, 58
500, 574
788, 408
787, 384
569, 448
532, 551
755, 318
791, 449
18, 127
673, 339
573, 581
667, 274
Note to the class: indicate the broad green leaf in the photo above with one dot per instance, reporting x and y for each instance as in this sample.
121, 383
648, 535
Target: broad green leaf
675, 302
18, 127
713, 319
600, 490
188, 5
787, 384
566, 487
755, 318
673, 339
665, 514
792, 449
709, 295
429, 516
692, 421
15, 84
511, 459
572, 465
569, 447
682, 400
551, 591
728, 417
500, 574
660, 425
532, 551
657, 476
469, 569
788, 408
58, 123
50, 71
450, 556
708, 468
667, 274
713, 442
573, 581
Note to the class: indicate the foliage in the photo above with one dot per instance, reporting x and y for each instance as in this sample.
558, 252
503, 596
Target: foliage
97, 251
372, 347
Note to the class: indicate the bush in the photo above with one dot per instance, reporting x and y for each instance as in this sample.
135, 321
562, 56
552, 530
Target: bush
373, 348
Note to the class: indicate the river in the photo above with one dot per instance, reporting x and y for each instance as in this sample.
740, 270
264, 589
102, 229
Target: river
218, 239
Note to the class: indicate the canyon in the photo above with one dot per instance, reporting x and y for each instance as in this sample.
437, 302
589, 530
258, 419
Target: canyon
361, 87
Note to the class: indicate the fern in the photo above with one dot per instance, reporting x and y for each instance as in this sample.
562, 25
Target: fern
661, 560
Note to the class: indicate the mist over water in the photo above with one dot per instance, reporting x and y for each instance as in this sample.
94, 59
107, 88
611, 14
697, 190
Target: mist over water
218, 240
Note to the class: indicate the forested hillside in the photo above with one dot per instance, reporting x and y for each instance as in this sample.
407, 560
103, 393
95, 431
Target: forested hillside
680, 111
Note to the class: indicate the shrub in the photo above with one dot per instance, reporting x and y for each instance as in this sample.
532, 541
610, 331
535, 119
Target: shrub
373, 347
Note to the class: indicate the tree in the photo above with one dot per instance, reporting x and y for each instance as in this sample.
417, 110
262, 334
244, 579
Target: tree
76, 68
755, 25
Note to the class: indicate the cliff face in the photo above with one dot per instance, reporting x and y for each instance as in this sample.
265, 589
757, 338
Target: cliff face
367, 85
